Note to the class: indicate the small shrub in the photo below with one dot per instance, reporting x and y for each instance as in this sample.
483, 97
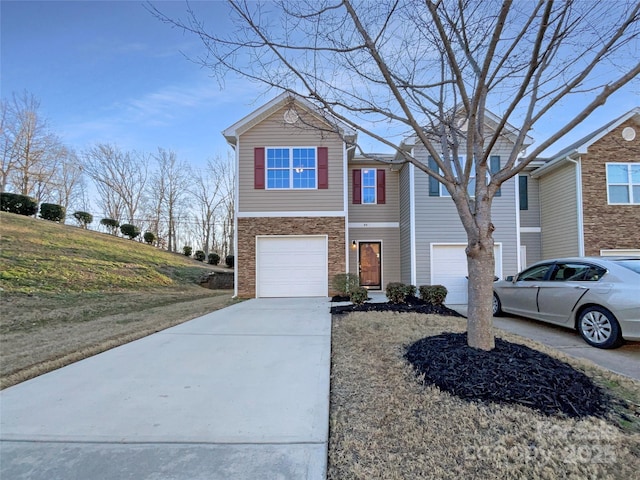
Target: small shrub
149, 237
199, 255
359, 295
83, 218
410, 291
345, 283
19, 204
229, 261
187, 250
129, 230
213, 259
112, 225
52, 212
434, 294
396, 292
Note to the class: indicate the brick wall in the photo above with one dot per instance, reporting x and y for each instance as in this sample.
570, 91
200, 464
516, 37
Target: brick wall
248, 228
608, 226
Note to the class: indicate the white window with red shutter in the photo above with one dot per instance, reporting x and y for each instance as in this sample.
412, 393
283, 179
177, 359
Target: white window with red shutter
369, 186
291, 168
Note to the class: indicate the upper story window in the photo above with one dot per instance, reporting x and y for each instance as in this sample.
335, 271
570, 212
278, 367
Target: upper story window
437, 189
291, 168
523, 181
623, 183
369, 186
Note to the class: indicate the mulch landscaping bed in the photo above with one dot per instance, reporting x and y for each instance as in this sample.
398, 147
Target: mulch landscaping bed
411, 305
511, 373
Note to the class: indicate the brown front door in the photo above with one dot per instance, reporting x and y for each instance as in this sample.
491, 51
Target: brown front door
370, 258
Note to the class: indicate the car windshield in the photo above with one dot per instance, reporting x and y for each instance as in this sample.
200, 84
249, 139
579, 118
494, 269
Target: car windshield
633, 265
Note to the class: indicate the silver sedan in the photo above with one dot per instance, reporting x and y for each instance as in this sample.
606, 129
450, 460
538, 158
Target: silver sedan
598, 296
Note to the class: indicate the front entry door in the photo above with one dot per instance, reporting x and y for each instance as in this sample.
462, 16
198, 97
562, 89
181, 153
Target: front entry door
370, 266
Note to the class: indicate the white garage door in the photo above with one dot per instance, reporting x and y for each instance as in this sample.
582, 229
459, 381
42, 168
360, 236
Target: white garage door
449, 268
292, 266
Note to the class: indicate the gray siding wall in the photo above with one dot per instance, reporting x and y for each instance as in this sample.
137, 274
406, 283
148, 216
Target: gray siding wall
437, 220
387, 212
274, 132
533, 242
559, 218
531, 217
390, 238
405, 225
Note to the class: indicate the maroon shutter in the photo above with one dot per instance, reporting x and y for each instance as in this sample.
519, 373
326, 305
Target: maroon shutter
323, 167
357, 186
258, 168
380, 186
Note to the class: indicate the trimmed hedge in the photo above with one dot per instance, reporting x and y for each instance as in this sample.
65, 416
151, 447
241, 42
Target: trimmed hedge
52, 212
187, 250
398, 292
345, 283
230, 260
213, 259
433, 294
111, 223
83, 218
129, 230
199, 255
358, 295
149, 237
19, 204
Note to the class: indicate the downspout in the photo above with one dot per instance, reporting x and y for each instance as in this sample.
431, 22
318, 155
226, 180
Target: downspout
412, 221
236, 207
345, 173
518, 237
579, 201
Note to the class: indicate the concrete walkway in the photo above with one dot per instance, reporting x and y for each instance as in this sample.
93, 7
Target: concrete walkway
624, 360
241, 393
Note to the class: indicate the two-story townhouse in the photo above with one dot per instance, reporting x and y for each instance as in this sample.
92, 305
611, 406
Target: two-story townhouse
307, 208
291, 200
589, 193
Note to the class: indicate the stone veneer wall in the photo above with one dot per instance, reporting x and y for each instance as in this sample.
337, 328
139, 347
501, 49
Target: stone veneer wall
249, 228
608, 226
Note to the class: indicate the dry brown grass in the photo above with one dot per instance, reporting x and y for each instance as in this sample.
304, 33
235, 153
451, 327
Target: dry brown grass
41, 333
385, 425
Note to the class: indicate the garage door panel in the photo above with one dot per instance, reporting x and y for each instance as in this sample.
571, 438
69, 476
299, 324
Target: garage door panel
449, 268
292, 266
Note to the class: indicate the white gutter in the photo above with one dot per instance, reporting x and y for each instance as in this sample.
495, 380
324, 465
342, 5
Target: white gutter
236, 208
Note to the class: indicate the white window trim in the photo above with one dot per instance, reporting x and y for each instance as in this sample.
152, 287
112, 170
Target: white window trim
443, 189
375, 186
291, 169
630, 184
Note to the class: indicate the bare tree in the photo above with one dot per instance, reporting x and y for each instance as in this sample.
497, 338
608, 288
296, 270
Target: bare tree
227, 174
172, 182
68, 181
204, 191
120, 179
31, 153
430, 70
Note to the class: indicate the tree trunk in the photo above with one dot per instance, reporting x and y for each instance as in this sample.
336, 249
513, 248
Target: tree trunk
480, 263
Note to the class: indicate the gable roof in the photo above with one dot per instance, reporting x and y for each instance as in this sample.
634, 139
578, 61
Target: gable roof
231, 133
582, 145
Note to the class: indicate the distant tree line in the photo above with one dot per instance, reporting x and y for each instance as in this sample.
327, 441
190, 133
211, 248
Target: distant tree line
172, 202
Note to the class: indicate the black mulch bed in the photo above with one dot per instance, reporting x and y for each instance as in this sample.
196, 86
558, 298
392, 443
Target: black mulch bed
413, 304
510, 373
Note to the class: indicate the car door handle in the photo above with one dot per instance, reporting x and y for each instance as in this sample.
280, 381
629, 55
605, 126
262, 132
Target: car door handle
580, 287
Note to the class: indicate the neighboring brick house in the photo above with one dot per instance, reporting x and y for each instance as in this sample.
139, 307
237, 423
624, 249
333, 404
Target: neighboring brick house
589, 193
308, 208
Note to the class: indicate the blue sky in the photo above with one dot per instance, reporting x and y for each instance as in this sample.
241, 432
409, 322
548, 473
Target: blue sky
111, 72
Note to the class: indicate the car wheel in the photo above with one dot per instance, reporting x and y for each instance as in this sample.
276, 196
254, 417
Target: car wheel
497, 306
599, 327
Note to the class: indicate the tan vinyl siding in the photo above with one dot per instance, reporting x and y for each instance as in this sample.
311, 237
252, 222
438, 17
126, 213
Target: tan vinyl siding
405, 224
437, 219
531, 217
559, 218
390, 238
274, 132
387, 212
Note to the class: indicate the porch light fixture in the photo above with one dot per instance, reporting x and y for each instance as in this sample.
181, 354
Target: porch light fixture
353, 244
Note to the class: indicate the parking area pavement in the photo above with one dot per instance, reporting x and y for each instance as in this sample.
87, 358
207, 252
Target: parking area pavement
624, 360
240, 393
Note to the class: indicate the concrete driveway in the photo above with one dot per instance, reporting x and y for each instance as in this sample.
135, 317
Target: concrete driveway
624, 360
241, 393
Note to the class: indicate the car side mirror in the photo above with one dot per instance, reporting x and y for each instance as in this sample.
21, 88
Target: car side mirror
510, 278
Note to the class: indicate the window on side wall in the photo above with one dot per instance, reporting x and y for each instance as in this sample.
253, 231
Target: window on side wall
623, 183
291, 168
